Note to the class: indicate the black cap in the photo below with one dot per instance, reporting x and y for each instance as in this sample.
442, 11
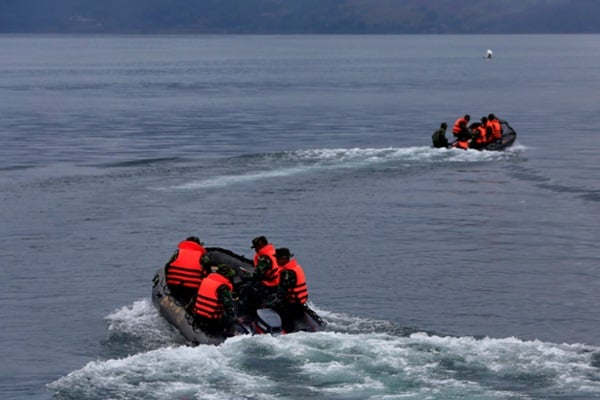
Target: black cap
283, 252
194, 239
259, 241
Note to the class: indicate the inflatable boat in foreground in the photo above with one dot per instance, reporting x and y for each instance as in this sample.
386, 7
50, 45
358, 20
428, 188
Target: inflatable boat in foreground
249, 322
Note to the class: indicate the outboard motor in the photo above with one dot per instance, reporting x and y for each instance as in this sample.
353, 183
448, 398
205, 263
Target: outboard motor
268, 321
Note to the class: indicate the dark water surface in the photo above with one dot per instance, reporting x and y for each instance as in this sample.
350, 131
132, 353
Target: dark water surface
442, 273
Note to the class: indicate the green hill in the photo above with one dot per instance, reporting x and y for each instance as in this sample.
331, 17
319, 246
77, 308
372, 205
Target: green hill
300, 16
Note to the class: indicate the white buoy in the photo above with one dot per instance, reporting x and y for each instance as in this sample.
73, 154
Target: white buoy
489, 54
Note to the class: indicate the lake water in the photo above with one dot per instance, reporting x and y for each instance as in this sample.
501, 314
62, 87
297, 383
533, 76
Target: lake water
442, 273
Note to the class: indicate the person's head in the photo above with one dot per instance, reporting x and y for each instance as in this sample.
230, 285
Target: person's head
259, 242
283, 255
194, 239
467, 117
484, 120
226, 271
444, 125
263, 265
491, 117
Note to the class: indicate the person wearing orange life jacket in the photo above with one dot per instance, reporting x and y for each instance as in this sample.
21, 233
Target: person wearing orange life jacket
496, 127
461, 131
293, 290
261, 290
480, 138
291, 277
262, 247
214, 309
184, 271
460, 125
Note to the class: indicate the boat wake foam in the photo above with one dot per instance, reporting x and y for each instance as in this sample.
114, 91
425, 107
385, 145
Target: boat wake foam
351, 358
284, 164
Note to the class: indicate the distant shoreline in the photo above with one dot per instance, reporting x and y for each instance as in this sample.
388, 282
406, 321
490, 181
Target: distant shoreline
117, 33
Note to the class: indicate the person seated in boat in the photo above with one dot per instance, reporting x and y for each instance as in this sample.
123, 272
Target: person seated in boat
463, 137
439, 137
261, 290
460, 125
292, 291
496, 126
262, 247
480, 134
185, 270
214, 311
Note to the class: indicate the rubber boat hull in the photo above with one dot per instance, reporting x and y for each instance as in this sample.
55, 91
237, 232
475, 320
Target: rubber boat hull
259, 321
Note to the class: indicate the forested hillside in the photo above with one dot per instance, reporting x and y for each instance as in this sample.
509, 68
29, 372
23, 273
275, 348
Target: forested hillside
301, 16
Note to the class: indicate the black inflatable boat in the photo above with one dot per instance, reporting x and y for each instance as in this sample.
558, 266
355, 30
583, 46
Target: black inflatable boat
249, 322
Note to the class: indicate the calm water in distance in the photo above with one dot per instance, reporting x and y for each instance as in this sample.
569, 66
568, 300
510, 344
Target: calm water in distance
442, 273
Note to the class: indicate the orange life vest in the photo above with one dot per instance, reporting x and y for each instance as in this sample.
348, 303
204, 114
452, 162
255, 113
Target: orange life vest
207, 300
461, 144
458, 125
496, 129
267, 250
186, 270
271, 278
299, 293
481, 138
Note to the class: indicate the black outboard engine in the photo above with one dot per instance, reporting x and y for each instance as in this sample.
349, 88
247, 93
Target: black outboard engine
268, 321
